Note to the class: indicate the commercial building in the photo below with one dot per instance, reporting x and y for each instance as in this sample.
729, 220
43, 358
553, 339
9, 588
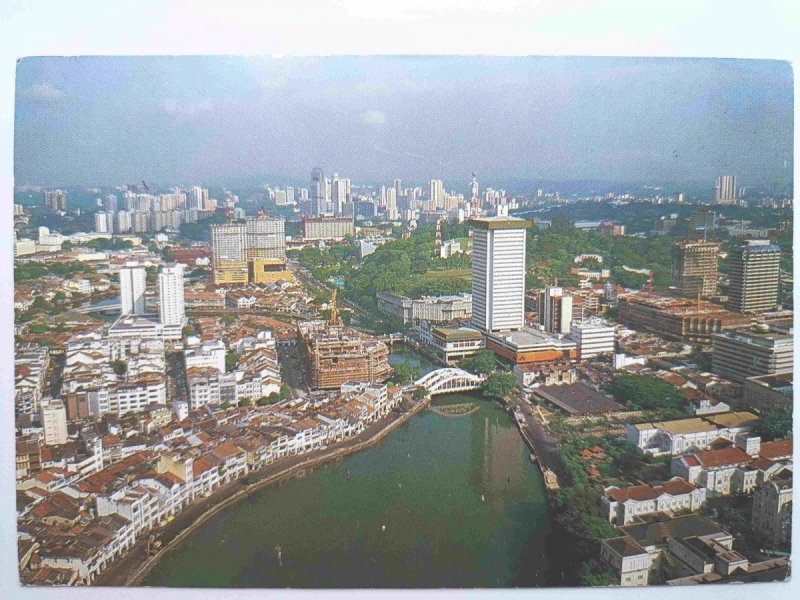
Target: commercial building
339, 354
172, 308
695, 268
54, 422
531, 346
328, 228
132, 283
577, 399
741, 354
766, 393
754, 272
498, 273
593, 338
265, 238
555, 310
451, 344
681, 319
268, 270
434, 309
229, 261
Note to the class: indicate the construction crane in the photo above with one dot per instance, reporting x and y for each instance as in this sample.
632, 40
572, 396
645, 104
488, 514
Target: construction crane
334, 320
146, 187
649, 272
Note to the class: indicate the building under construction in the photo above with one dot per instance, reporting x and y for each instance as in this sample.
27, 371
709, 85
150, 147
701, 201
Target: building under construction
691, 321
339, 354
694, 267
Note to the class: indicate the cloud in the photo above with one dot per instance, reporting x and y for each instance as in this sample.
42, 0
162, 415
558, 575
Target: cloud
180, 108
373, 117
42, 91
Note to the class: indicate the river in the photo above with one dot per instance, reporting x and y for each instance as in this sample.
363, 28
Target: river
443, 501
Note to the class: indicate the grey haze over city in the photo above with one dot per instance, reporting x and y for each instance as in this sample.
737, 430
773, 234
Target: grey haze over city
107, 120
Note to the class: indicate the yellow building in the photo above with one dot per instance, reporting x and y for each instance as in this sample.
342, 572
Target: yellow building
267, 270
230, 273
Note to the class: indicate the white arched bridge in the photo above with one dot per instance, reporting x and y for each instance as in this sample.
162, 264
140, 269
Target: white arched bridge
449, 380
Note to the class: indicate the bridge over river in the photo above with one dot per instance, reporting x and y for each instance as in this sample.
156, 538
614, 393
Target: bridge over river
449, 380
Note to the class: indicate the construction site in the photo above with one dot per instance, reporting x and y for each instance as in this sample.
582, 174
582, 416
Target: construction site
339, 354
681, 319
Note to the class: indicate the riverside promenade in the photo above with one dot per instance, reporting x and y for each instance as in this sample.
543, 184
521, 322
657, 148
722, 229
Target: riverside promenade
542, 442
133, 567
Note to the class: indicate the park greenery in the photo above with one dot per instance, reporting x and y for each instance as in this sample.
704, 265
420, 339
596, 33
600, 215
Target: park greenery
648, 393
482, 362
776, 425
406, 373
498, 385
31, 271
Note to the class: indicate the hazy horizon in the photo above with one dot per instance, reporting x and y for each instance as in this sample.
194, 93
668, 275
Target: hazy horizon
108, 120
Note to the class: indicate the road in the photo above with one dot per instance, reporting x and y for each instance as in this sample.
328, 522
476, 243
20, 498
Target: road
545, 442
294, 367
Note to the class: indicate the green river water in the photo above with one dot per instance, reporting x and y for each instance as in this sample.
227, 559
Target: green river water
443, 501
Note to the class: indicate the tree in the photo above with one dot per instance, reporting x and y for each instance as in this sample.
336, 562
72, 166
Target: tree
120, 367
225, 405
483, 362
647, 393
285, 393
498, 385
263, 401
274, 397
777, 424
403, 372
420, 393
245, 402
231, 358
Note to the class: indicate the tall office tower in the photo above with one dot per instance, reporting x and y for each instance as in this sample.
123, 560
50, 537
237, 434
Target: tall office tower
473, 188
56, 199
725, 190
265, 238
398, 188
555, 310
100, 222
436, 193
319, 189
289, 195
194, 197
412, 199
54, 422
498, 273
694, 268
391, 203
132, 284
754, 272
303, 194
280, 197
339, 191
228, 258
170, 293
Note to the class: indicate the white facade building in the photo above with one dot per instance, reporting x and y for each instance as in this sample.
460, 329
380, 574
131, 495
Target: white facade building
593, 337
498, 273
172, 305
54, 422
132, 283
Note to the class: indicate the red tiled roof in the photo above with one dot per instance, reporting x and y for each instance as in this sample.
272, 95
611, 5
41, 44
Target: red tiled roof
200, 466
723, 457
640, 493
776, 450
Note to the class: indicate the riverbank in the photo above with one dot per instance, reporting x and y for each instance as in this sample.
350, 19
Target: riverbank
131, 569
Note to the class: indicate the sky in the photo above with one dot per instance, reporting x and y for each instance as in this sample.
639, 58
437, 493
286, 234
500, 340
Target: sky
182, 120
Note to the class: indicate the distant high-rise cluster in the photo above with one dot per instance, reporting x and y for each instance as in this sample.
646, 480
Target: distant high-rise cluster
145, 213
56, 199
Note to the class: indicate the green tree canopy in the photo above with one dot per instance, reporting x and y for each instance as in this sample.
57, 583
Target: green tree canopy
498, 385
482, 362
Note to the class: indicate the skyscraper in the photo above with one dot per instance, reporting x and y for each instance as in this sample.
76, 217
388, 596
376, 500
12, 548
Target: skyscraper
694, 267
198, 198
436, 193
170, 294
555, 310
498, 273
473, 188
340, 190
229, 261
319, 189
132, 285
725, 190
754, 273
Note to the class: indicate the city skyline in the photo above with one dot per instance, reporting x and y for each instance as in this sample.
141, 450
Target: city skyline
98, 120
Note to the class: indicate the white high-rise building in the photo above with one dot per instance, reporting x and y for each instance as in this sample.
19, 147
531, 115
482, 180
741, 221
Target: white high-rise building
557, 310
100, 222
132, 285
436, 193
170, 293
498, 273
54, 422
593, 337
725, 191
340, 190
